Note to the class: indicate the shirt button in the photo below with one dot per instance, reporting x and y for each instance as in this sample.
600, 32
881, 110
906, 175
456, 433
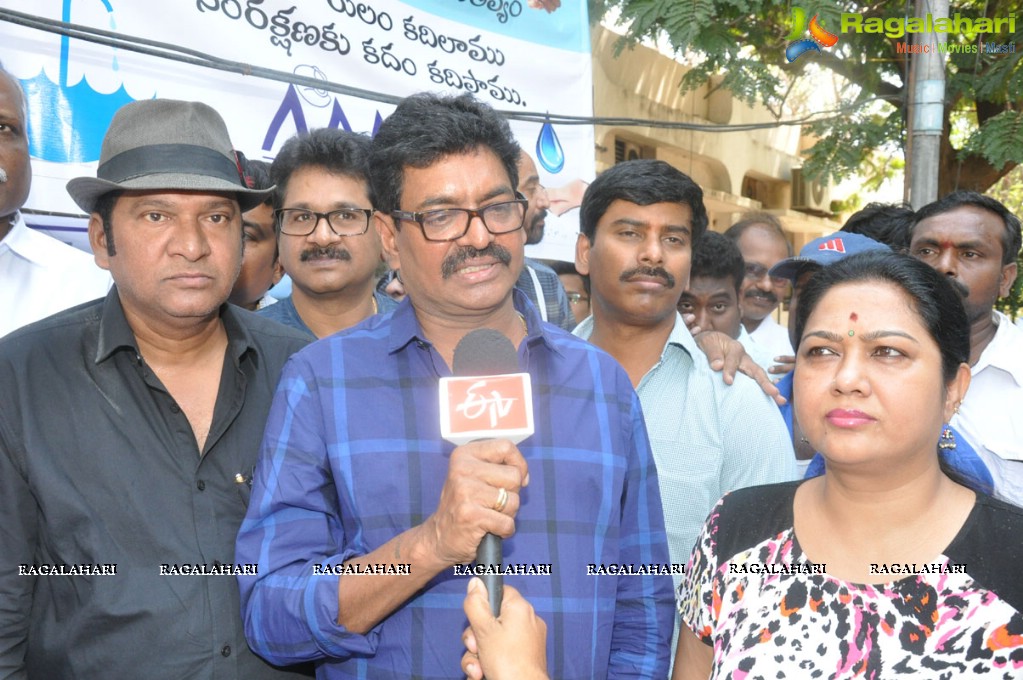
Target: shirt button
175, 409
225, 650
201, 485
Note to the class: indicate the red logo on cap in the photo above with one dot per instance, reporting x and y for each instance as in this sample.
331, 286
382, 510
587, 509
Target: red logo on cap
834, 244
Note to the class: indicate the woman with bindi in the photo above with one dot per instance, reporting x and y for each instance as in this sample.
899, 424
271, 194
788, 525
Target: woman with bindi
888, 564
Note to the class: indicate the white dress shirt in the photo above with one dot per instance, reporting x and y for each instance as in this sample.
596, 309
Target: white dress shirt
773, 336
991, 415
40, 276
761, 354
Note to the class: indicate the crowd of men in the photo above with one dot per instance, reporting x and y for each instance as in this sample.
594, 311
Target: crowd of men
206, 491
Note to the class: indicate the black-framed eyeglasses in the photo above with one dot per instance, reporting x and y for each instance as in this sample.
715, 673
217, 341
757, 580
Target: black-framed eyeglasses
451, 224
576, 298
754, 272
343, 222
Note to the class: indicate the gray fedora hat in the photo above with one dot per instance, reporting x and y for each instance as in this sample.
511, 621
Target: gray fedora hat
164, 144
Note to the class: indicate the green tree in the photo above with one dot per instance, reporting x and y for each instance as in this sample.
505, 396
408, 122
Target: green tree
745, 42
1009, 190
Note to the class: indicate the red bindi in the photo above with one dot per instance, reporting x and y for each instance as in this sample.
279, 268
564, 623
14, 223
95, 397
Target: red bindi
945, 245
853, 316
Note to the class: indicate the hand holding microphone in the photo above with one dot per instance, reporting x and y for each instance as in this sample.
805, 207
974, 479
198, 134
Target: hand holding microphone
469, 507
485, 409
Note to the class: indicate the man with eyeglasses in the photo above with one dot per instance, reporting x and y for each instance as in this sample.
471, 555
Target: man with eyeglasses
327, 246
354, 473
537, 280
763, 244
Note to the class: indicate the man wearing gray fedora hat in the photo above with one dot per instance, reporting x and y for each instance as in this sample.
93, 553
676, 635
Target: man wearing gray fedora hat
129, 426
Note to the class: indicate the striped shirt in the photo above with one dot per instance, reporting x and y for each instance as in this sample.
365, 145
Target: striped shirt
353, 456
708, 438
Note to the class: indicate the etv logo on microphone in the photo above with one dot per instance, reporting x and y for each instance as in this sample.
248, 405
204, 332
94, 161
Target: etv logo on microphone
486, 407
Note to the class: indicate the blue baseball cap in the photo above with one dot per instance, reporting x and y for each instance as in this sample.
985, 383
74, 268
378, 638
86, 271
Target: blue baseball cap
823, 251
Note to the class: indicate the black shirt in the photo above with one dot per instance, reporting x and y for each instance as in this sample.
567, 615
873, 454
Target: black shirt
99, 467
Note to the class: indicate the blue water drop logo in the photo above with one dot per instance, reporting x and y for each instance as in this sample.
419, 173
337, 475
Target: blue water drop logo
548, 149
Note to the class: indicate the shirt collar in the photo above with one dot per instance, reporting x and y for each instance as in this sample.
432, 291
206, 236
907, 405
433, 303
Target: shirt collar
1003, 352
405, 326
679, 337
116, 334
20, 242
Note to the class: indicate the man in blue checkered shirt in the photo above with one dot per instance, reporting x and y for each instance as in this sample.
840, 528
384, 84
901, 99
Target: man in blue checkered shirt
354, 475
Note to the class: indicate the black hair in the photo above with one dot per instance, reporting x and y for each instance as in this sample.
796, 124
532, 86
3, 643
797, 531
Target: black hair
643, 182
887, 223
717, 257
761, 219
104, 207
1011, 235
935, 301
938, 305
339, 152
426, 127
256, 175
561, 267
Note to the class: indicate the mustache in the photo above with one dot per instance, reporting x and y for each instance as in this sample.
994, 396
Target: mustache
658, 272
540, 217
465, 253
757, 293
3, 176
959, 287
326, 252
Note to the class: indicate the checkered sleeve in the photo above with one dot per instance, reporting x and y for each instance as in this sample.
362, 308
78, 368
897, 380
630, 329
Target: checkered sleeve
292, 525
641, 640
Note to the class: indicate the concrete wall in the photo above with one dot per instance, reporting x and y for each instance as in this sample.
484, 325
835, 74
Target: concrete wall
643, 83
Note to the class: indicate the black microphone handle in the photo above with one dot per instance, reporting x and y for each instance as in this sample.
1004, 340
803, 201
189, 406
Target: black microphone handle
488, 554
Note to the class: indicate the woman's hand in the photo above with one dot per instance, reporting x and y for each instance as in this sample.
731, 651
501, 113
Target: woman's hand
512, 646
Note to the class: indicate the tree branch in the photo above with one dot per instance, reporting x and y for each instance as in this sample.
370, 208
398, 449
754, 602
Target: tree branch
860, 75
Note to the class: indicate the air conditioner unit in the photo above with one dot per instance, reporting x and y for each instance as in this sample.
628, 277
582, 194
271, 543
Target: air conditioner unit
810, 195
630, 151
633, 152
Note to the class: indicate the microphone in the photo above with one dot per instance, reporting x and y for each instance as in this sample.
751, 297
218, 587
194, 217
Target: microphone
487, 398
3, 176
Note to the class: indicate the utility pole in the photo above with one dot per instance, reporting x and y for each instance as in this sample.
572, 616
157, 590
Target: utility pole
927, 107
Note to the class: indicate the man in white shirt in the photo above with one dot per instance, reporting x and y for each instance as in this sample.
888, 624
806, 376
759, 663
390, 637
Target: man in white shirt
639, 220
39, 275
974, 240
763, 244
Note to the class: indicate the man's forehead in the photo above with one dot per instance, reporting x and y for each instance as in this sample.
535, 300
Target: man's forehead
445, 178
627, 211
964, 223
11, 91
170, 197
527, 168
329, 184
757, 239
712, 286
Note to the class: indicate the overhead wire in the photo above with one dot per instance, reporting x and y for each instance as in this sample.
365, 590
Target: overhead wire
192, 57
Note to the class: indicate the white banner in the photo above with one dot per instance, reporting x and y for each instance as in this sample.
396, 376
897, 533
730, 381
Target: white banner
512, 56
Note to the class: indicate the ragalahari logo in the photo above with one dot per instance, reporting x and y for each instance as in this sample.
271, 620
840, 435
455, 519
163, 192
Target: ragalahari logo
819, 37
